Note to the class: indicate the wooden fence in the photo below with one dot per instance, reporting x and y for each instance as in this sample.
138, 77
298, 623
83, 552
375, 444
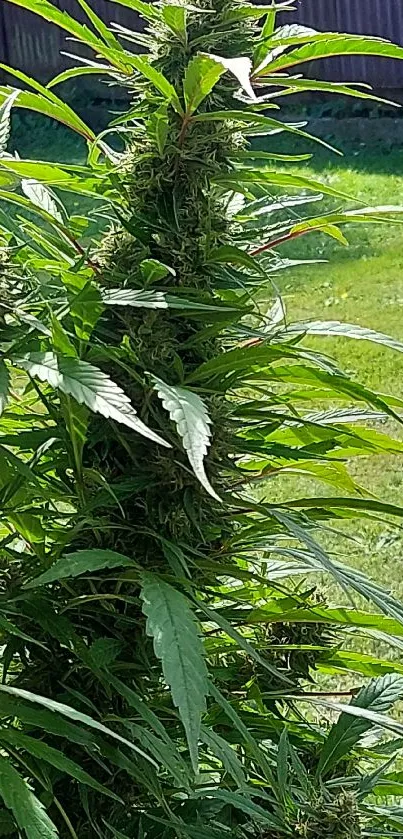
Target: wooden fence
35, 46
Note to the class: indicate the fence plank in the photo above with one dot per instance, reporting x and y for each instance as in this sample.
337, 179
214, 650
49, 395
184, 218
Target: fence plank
35, 46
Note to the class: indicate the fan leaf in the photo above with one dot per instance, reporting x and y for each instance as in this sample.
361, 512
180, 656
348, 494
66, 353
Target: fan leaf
70, 713
87, 385
5, 120
158, 80
241, 68
189, 412
42, 197
379, 696
172, 625
335, 328
29, 813
202, 74
54, 757
81, 562
325, 45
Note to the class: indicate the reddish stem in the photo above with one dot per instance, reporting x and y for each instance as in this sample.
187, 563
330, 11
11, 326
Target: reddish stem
275, 242
81, 251
184, 128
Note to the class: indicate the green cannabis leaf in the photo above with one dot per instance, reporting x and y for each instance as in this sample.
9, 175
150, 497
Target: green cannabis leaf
177, 644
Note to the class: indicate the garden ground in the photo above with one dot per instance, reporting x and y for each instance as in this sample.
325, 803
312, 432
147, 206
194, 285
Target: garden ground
362, 284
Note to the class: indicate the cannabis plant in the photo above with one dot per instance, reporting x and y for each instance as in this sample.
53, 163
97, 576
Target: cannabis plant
162, 640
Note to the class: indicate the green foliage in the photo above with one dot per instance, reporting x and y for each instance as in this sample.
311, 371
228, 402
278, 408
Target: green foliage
379, 695
170, 622
189, 413
29, 813
82, 562
161, 649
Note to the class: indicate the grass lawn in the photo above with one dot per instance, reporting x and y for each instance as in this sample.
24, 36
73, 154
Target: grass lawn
361, 284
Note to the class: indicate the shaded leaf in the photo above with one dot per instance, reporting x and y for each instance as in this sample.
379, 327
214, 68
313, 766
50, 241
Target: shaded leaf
153, 270
242, 642
71, 713
4, 386
272, 126
229, 254
56, 758
80, 562
8, 628
283, 179
225, 754
239, 725
29, 813
172, 625
7, 823
243, 803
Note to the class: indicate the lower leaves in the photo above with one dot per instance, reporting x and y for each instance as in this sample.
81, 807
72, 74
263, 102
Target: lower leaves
29, 813
171, 623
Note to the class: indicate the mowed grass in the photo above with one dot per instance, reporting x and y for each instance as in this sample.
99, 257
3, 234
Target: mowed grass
360, 284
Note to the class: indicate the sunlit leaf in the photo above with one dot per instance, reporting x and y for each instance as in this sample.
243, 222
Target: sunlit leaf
158, 80
53, 14
202, 74
89, 386
5, 120
189, 412
175, 19
147, 10
336, 328
379, 695
330, 44
241, 68
42, 196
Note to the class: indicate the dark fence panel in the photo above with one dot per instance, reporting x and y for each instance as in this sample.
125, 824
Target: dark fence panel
33, 45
